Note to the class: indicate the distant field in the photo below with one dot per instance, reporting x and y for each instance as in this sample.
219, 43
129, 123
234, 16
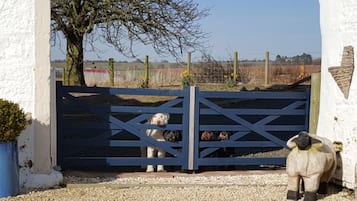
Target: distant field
117, 65
162, 74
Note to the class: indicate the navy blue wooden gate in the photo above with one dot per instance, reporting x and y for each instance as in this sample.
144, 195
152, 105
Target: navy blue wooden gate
105, 127
97, 128
259, 124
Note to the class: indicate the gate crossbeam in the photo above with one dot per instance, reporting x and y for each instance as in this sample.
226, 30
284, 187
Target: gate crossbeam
130, 128
239, 135
243, 122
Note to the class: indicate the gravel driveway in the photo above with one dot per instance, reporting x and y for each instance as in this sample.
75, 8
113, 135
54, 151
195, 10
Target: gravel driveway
217, 186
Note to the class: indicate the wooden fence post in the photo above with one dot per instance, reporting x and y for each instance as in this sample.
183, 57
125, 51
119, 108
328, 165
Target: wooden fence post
146, 81
189, 63
111, 71
314, 102
235, 66
266, 74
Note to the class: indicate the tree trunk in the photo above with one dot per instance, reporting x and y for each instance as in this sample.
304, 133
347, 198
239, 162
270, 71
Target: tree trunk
73, 72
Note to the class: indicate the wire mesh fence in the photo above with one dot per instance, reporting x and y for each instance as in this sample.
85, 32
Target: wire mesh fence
211, 71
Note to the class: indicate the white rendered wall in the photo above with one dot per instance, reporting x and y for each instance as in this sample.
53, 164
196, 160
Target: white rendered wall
338, 115
25, 79
17, 66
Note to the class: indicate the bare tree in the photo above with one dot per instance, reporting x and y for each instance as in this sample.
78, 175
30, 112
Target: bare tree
169, 26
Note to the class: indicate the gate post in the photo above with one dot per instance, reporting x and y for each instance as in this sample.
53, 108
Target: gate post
314, 102
193, 129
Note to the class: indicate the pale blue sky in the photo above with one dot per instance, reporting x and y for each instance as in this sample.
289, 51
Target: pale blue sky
251, 27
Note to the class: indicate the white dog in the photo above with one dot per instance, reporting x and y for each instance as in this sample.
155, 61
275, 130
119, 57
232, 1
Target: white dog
159, 119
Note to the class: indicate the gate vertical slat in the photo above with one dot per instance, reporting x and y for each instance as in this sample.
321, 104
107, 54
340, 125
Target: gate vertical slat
59, 102
196, 123
191, 128
186, 130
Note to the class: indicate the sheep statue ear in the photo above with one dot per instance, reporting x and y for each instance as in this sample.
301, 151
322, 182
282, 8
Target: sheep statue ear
316, 143
292, 142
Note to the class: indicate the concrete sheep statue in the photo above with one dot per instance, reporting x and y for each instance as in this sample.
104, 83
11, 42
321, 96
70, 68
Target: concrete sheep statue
312, 159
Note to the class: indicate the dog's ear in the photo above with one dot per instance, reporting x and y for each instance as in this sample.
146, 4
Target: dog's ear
167, 116
149, 119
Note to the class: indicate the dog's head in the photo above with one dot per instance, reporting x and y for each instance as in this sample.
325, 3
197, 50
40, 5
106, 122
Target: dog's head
208, 136
223, 135
159, 119
303, 141
172, 136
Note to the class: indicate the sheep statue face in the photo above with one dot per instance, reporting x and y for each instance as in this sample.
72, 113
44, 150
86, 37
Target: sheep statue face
304, 141
312, 159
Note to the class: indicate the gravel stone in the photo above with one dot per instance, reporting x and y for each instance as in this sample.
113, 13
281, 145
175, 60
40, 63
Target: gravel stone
267, 187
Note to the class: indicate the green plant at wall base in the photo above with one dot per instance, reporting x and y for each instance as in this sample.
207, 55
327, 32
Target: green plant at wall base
185, 78
231, 80
12, 121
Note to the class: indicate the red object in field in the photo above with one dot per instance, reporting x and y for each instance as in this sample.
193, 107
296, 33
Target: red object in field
95, 70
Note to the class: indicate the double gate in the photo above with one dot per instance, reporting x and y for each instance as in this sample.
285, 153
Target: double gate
105, 127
